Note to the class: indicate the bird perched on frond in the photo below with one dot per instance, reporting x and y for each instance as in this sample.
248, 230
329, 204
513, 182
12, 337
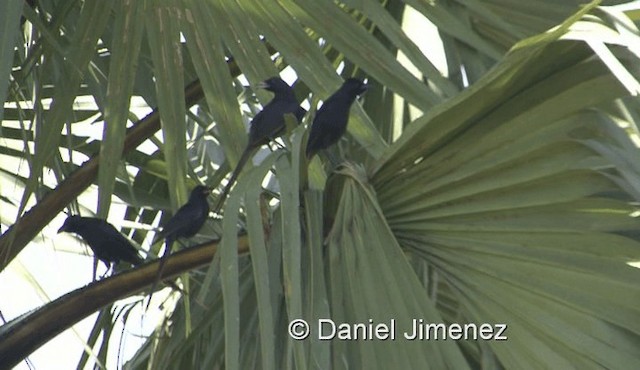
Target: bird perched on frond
267, 125
106, 242
330, 122
185, 223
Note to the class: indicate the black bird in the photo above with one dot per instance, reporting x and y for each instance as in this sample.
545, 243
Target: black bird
331, 119
185, 223
106, 242
267, 125
188, 219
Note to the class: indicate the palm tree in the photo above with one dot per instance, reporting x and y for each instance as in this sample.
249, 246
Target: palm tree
494, 204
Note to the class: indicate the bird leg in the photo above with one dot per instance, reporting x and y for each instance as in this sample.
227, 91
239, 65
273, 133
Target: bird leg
105, 273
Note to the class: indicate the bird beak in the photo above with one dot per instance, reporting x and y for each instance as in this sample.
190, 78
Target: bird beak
262, 85
61, 229
207, 191
363, 89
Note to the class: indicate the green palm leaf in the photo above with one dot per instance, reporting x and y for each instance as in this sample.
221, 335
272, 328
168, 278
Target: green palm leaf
502, 191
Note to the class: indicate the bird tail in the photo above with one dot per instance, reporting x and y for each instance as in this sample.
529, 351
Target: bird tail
248, 152
163, 260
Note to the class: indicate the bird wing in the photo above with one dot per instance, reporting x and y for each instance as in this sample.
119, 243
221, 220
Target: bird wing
185, 222
269, 122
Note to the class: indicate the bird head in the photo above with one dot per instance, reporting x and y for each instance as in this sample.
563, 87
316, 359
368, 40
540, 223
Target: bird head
199, 192
71, 224
275, 85
355, 86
